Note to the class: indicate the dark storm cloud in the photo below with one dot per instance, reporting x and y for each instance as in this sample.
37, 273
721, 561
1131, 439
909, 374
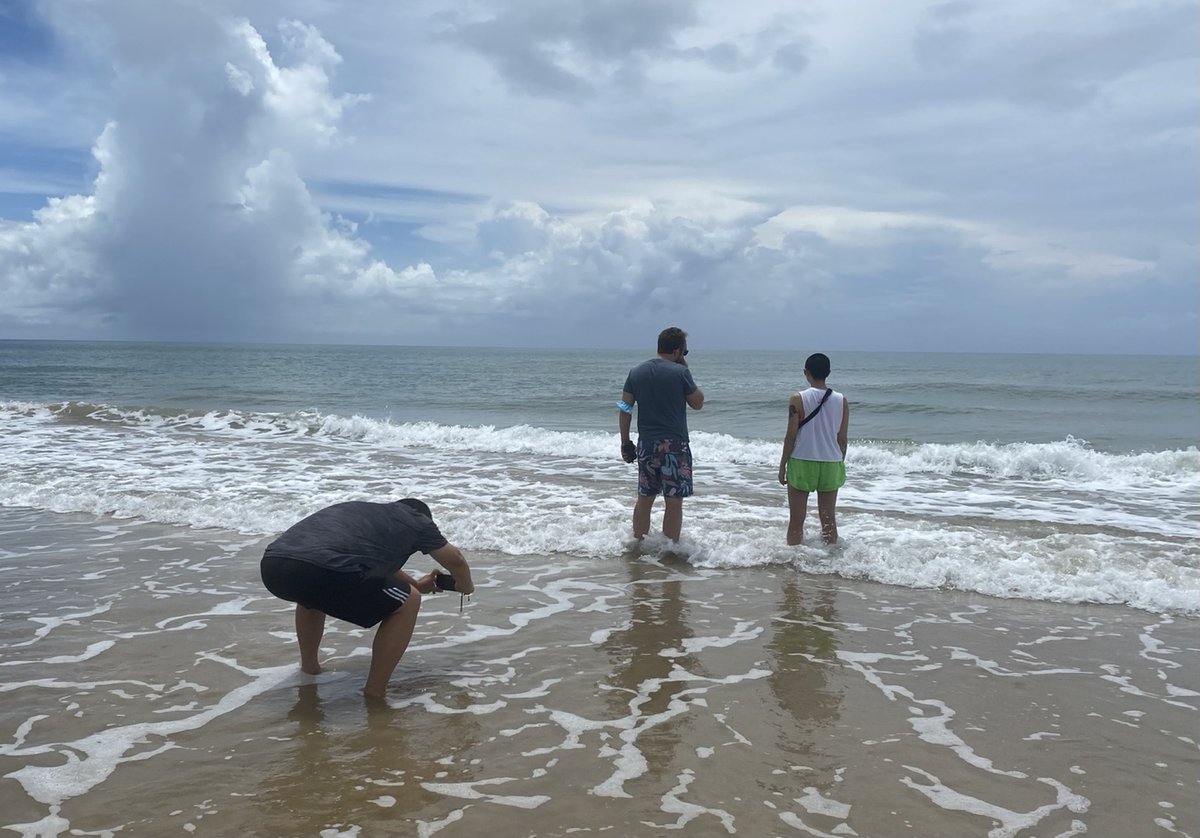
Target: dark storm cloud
566, 48
571, 48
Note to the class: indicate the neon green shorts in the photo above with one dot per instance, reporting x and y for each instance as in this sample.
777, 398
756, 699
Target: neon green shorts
815, 475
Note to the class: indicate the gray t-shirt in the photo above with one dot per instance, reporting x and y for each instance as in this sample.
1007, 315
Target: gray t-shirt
660, 389
374, 539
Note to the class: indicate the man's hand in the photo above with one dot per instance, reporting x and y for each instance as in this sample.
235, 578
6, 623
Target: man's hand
426, 583
628, 451
451, 558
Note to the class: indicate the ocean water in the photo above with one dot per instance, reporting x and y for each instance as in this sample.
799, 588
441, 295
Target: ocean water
149, 687
1058, 478
960, 665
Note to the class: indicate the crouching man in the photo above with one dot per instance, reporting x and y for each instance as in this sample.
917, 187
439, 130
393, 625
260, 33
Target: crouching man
346, 561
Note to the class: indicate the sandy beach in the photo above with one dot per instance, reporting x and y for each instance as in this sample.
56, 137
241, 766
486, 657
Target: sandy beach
150, 687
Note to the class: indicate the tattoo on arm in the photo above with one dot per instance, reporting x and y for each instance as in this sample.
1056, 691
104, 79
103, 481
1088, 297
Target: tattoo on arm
791, 410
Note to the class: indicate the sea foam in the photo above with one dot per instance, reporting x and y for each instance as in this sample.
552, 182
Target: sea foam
1056, 521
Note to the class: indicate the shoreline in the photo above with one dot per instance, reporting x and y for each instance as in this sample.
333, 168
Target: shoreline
151, 685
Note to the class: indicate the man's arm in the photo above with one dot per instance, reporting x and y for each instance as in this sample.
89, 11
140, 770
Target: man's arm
694, 399
451, 558
625, 417
624, 423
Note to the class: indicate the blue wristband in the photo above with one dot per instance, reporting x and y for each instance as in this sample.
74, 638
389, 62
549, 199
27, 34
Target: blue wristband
628, 408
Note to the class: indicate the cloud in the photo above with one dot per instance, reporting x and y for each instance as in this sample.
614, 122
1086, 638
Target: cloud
47, 264
1013, 254
565, 48
198, 223
881, 277
1060, 55
572, 49
875, 182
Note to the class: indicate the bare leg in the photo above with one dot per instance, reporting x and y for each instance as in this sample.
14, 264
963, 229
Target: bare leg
310, 628
641, 515
797, 510
391, 639
827, 509
672, 518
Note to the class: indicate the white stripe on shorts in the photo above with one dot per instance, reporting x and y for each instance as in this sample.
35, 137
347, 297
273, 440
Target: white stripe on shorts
397, 593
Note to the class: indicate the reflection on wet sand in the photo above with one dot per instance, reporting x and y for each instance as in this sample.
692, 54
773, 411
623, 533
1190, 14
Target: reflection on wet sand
803, 647
645, 653
353, 762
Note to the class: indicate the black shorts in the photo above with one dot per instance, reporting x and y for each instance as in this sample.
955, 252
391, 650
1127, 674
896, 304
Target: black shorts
346, 595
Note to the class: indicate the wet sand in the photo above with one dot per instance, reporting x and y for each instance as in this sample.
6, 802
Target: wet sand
149, 686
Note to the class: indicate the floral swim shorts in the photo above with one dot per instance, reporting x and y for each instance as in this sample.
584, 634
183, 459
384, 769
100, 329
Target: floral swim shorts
664, 467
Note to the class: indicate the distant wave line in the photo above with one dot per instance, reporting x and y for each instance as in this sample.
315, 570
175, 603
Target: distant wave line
1068, 458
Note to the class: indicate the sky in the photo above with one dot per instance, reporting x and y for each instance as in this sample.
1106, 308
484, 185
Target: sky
961, 176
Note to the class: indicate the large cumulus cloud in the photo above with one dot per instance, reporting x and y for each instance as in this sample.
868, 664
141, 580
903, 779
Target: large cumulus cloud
198, 224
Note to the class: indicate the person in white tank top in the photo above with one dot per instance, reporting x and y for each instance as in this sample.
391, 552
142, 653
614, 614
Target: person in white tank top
814, 451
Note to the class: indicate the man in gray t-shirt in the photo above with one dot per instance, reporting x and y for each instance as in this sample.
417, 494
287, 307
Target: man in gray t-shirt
663, 389
347, 561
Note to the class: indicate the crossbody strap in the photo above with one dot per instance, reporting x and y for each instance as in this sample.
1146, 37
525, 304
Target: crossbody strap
824, 398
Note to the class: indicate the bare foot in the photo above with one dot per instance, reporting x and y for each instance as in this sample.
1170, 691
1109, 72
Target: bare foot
315, 669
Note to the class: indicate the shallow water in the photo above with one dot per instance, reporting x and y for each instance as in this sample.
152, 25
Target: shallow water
150, 687
1006, 475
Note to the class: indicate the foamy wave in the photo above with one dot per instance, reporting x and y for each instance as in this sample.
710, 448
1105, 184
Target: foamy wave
1156, 575
1053, 521
1070, 458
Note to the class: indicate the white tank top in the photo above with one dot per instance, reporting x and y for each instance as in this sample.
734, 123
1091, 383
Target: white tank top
817, 440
